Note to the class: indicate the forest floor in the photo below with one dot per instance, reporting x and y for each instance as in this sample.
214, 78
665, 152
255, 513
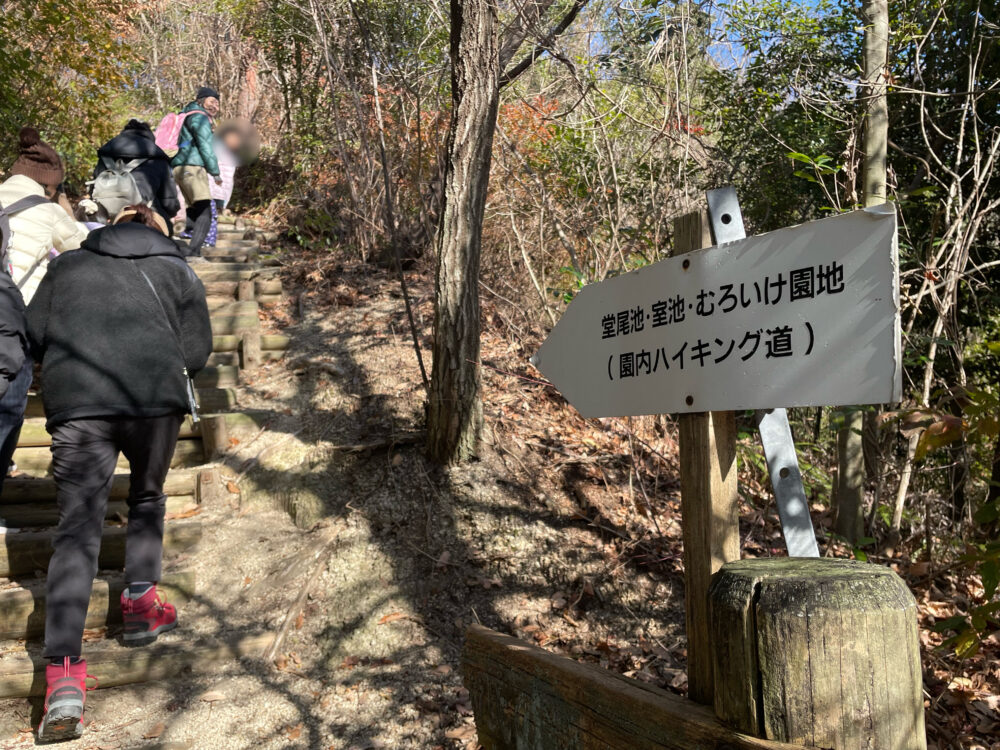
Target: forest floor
564, 532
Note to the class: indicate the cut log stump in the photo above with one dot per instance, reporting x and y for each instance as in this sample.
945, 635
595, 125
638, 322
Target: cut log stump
525, 698
817, 651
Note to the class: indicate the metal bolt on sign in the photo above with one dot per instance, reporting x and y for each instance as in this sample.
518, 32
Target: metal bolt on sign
726, 221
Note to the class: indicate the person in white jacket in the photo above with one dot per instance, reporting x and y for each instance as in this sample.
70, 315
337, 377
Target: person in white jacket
37, 230
34, 232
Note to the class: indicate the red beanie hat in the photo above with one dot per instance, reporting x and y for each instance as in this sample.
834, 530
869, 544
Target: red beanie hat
38, 160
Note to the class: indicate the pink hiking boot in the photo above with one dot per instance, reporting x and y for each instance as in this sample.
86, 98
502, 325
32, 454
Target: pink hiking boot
65, 695
146, 617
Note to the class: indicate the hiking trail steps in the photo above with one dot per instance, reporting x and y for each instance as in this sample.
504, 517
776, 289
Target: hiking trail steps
237, 284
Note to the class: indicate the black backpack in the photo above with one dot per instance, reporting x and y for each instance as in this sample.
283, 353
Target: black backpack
5, 232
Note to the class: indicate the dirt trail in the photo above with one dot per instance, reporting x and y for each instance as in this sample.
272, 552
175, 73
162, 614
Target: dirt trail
528, 540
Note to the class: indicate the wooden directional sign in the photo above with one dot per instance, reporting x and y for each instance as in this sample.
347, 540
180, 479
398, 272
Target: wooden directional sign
804, 316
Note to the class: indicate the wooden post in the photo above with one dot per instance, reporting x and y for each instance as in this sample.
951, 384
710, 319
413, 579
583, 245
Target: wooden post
817, 651
209, 490
251, 345
245, 290
709, 499
214, 436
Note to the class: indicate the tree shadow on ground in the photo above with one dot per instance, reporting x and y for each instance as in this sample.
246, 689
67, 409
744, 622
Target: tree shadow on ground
419, 554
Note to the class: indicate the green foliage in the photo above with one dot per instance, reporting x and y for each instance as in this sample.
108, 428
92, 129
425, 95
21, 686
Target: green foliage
63, 65
781, 91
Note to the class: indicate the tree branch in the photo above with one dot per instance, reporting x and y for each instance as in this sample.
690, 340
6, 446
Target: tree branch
544, 44
530, 13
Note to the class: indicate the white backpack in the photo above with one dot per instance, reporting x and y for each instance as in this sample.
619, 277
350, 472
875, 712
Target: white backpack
115, 187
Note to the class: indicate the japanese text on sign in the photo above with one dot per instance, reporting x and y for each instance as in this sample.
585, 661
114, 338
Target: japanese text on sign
802, 284
803, 316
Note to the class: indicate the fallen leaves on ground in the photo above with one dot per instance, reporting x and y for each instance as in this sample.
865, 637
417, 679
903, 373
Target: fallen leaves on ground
95, 634
187, 512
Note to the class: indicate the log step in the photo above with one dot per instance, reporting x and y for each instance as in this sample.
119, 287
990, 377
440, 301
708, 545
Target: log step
228, 289
24, 552
235, 242
22, 673
22, 608
217, 377
231, 308
216, 400
210, 400
31, 515
34, 435
232, 343
227, 256
38, 461
224, 325
34, 489
213, 270
233, 358
225, 272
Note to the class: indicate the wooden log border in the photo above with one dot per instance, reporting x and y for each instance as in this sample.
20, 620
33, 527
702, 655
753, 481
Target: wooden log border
525, 697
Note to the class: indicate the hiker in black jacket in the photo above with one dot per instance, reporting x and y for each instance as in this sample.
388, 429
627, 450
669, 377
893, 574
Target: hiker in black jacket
118, 325
13, 349
13, 342
154, 176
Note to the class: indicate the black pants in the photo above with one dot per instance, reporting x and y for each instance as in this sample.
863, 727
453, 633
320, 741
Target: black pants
12, 406
200, 215
84, 454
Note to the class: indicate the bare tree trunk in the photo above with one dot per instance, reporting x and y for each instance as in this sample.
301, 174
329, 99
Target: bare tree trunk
454, 409
850, 442
455, 414
850, 477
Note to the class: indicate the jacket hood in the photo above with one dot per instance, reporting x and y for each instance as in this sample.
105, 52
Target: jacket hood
130, 240
136, 141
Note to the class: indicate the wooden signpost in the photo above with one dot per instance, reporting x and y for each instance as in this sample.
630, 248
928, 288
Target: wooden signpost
805, 316
710, 502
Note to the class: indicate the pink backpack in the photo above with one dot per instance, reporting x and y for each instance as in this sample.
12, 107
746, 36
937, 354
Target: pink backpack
169, 130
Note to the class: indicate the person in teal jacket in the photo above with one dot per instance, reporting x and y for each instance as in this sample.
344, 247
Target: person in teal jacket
195, 162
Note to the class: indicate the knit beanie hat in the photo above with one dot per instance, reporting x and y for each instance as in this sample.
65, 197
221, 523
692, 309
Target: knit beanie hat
207, 91
38, 160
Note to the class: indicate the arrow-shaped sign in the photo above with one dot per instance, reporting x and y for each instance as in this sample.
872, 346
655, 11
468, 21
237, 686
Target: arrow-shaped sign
804, 316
